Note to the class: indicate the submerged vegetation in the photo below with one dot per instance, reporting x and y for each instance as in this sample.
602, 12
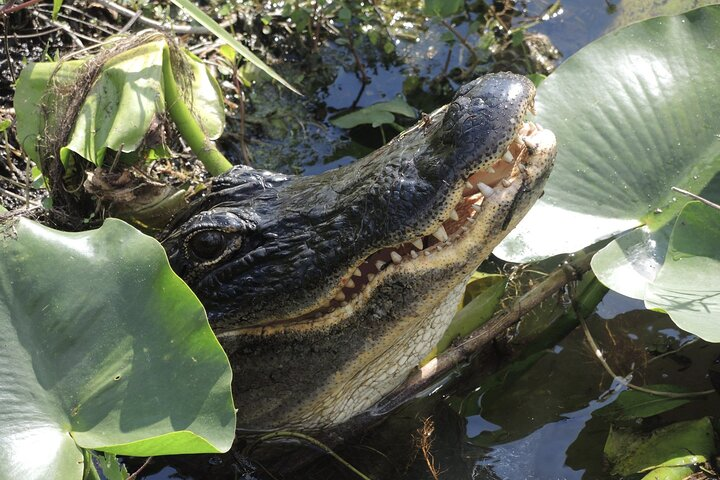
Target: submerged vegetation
636, 178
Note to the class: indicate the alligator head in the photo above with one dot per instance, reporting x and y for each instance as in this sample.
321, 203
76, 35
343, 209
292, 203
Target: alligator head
327, 290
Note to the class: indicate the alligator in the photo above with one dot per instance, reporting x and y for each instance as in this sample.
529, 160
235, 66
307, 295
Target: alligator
327, 290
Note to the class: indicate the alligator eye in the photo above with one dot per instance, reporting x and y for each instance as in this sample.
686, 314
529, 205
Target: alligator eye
207, 245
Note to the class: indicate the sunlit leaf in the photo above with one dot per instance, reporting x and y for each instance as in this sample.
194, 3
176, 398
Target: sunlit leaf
104, 348
635, 114
687, 286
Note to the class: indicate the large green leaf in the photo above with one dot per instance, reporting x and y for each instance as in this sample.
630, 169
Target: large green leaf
102, 347
687, 286
635, 113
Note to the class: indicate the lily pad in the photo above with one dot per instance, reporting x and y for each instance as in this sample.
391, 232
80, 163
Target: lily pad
102, 347
687, 286
635, 113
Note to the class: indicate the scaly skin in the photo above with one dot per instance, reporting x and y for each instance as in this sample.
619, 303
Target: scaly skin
327, 290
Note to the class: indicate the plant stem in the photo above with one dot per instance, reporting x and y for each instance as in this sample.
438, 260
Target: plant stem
187, 124
460, 38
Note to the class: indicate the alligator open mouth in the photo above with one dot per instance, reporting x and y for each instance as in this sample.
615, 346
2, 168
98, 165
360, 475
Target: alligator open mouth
532, 144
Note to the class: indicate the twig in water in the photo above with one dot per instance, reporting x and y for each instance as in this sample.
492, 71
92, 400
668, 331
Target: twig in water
599, 355
461, 39
137, 472
308, 439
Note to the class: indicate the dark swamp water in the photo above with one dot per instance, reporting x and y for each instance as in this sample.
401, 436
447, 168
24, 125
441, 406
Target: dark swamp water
534, 418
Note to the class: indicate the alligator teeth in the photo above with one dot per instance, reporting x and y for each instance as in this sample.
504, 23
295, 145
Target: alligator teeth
340, 296
439, 247
396, 258
413, 254
485, 189
418, 243
490, 170
506, 182
521, 167
518, 141
529, 143
476, 207
508, 157
441, 234
350, 283
464, 228
370, 277
469, 185
343, 304
454, 216
379, 264
357, 273
470, 219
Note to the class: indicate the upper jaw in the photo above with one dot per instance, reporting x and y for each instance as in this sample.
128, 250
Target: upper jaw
491, 201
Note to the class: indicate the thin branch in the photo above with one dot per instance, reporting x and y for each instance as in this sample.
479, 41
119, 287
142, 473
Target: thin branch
142, 467
11, 7
19, 197
435, 370
460, 38
598, 353
697, 197
191, 29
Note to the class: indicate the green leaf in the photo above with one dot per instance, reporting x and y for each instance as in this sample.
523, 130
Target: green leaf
687, 286
632, 404
442, 8
57, 4
630, 124
104, 348
124, 100
4, 124
205, 98
679, 472
682, 443
485, 290
30, 91
630, 263
377, 114
111, 468
124, 103
203, 19
631, 11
